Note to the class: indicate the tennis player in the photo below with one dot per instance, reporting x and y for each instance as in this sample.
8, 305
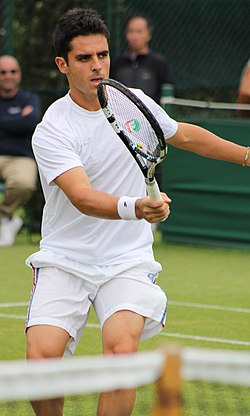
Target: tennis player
96, 246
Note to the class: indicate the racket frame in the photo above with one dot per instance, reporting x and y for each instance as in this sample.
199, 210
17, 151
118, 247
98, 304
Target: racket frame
148, 168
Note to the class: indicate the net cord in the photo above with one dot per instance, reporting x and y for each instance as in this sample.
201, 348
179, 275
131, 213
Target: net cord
91, 374
204, 104
218, 366
32, 380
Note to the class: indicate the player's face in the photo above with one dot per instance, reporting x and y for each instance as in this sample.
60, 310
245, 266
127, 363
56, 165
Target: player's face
137, 34
88, 63
10, 75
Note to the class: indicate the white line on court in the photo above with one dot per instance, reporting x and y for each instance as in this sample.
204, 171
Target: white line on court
199, 338
164, 334
196, 337
173, 302
12, 304
213, 307
7, 315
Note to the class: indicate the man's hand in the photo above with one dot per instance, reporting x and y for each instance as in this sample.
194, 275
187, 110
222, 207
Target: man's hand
26, 110
151, 210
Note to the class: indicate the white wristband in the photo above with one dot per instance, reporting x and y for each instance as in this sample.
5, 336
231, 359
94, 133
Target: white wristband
126, 208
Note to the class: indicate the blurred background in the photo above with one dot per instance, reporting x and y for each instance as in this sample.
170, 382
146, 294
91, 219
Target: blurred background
206, 42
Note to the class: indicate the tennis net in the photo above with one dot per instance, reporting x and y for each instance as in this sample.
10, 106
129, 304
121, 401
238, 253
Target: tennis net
170, 381
182, 107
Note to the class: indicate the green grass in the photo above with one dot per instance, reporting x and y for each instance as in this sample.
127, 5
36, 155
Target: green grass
191, 275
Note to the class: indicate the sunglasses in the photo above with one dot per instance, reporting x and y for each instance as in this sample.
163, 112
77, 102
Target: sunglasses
11, 71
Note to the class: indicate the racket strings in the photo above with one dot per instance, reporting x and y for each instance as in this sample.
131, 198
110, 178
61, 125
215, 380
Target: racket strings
133, 122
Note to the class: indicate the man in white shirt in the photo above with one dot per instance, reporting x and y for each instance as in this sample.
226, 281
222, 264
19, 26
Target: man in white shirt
89, 254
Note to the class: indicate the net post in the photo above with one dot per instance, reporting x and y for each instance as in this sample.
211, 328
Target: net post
169, 385
167, 90
167, 96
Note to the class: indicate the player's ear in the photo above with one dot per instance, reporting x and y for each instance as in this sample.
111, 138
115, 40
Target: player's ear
61, 64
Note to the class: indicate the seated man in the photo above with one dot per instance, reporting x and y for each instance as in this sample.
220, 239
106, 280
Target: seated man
20, 111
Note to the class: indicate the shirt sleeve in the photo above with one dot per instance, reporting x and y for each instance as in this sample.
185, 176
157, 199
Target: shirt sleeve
54, 151
169, 125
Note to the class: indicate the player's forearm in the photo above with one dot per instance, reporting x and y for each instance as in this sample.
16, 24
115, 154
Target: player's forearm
96, 203
204, 143
93, 202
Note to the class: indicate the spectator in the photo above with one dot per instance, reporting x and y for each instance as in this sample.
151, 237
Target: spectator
139, 67
243, 93
19, 113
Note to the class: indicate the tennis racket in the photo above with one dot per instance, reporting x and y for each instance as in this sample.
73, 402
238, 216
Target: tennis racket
137, 128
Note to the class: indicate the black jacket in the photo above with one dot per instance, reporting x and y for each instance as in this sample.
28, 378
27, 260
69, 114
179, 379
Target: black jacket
147, 72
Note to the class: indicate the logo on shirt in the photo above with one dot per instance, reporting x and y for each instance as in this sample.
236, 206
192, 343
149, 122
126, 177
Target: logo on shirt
133, 126
14, 110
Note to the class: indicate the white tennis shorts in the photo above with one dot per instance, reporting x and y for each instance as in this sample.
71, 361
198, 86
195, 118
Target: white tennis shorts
62, 299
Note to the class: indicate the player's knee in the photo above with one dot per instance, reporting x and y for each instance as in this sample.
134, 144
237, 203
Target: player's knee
33, 352
125, 345
45, 342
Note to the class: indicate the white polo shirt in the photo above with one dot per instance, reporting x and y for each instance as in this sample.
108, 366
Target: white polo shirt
70, 136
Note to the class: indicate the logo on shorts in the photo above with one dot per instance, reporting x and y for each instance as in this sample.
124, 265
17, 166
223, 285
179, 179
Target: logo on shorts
152, 277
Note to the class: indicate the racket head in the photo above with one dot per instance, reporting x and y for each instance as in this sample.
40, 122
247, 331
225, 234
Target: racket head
134, 123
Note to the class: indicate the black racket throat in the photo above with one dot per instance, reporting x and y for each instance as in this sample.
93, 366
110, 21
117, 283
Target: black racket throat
139, 158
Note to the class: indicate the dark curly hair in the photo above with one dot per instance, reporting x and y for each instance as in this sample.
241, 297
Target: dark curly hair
73, 23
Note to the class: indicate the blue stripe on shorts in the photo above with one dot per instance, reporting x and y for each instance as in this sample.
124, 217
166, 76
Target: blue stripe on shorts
35, 280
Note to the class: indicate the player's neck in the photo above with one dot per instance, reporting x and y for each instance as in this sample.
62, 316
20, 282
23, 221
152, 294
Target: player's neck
89, 103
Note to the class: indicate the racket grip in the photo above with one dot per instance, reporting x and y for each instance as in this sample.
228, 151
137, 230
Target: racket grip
153, 190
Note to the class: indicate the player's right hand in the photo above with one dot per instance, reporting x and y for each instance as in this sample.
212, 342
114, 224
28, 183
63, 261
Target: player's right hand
153, 211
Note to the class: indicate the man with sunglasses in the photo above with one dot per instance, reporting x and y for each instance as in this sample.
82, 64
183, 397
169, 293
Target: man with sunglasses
20, 111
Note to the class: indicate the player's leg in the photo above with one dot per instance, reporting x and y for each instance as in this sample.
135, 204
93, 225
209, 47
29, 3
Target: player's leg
57, 314
120, 334
45, 341
130, 307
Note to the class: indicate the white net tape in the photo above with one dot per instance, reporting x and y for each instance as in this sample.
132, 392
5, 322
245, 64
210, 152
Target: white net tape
204, 104
52, 377
218, 366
